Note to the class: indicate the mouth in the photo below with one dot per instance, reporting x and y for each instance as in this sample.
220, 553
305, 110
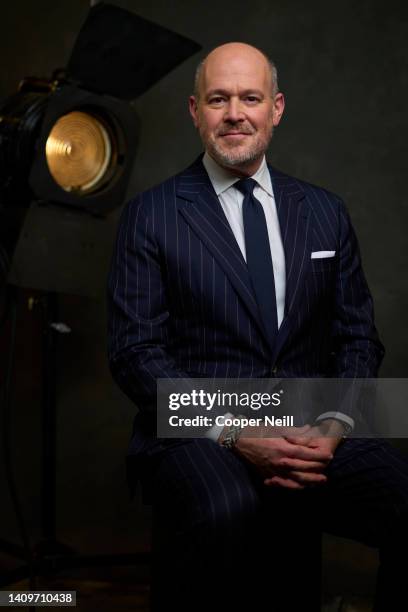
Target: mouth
235, 135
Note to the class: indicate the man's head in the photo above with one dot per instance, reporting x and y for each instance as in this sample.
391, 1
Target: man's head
236, 105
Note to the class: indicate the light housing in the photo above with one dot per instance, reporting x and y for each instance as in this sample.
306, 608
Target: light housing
70, 142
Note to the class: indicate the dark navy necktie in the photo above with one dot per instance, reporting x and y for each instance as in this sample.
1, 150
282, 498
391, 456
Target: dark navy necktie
258, 256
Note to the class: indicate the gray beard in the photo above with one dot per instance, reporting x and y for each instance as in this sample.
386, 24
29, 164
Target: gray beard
231, 159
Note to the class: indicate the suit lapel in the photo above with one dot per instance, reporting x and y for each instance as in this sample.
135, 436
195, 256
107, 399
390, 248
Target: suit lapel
200, 207
202, 210
294, 219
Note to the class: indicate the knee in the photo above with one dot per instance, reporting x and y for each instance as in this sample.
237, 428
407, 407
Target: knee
230, 514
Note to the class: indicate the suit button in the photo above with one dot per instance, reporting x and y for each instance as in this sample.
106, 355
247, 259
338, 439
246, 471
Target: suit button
274, 370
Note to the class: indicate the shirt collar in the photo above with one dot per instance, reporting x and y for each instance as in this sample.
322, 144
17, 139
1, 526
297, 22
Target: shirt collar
222, 179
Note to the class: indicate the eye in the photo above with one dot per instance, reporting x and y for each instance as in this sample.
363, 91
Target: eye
216, 100
252, 99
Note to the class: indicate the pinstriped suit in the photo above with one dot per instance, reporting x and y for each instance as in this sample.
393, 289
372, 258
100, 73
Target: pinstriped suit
181, 305
181, 299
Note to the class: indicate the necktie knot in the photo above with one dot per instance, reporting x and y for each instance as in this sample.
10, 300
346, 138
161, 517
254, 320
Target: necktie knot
246, 185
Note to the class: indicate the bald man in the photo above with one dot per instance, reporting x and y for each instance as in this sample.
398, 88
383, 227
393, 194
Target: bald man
232, 269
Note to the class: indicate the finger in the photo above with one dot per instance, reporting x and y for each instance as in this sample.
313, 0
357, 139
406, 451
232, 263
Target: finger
308, 453
305, 479
280, 481
301, 465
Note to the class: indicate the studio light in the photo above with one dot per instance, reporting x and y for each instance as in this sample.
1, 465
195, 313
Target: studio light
70, 142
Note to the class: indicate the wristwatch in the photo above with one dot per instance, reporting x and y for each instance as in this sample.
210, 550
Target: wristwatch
232, 435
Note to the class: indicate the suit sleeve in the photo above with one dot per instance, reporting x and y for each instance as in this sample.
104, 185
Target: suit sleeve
138, 312
358, 350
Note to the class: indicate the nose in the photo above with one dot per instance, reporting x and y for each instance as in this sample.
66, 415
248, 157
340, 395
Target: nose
234, 110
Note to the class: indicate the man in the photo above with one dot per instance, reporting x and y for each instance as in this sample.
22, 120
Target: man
232, 269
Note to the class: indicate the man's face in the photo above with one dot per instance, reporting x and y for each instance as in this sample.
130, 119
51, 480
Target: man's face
235, 112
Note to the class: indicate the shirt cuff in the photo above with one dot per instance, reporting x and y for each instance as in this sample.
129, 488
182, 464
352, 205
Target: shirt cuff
338, 416
215, 431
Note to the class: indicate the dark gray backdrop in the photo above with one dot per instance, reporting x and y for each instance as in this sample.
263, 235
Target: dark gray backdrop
343, 68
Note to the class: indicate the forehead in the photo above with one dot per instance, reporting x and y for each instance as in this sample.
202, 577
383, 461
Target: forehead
232, 71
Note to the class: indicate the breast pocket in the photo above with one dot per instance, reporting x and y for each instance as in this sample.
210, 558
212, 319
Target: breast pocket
323, 265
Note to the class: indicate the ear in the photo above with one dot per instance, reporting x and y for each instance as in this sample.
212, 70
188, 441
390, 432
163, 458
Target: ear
278, 108
192, 105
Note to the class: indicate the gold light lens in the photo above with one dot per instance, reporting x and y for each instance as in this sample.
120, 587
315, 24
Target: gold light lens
78, 152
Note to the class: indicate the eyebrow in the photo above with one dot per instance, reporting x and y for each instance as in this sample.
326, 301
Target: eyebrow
224, 92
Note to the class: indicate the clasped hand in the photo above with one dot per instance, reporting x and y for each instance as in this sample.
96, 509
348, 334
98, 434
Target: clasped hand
296, 460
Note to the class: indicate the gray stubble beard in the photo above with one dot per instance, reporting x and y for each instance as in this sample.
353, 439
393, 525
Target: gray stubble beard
232, 161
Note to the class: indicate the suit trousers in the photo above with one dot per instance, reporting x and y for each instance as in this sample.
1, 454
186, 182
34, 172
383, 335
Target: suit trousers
222, 540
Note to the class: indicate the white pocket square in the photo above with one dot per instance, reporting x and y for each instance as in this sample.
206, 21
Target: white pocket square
322, 254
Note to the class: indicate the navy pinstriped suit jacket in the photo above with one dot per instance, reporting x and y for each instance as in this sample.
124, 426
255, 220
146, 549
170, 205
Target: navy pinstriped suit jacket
181, 303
